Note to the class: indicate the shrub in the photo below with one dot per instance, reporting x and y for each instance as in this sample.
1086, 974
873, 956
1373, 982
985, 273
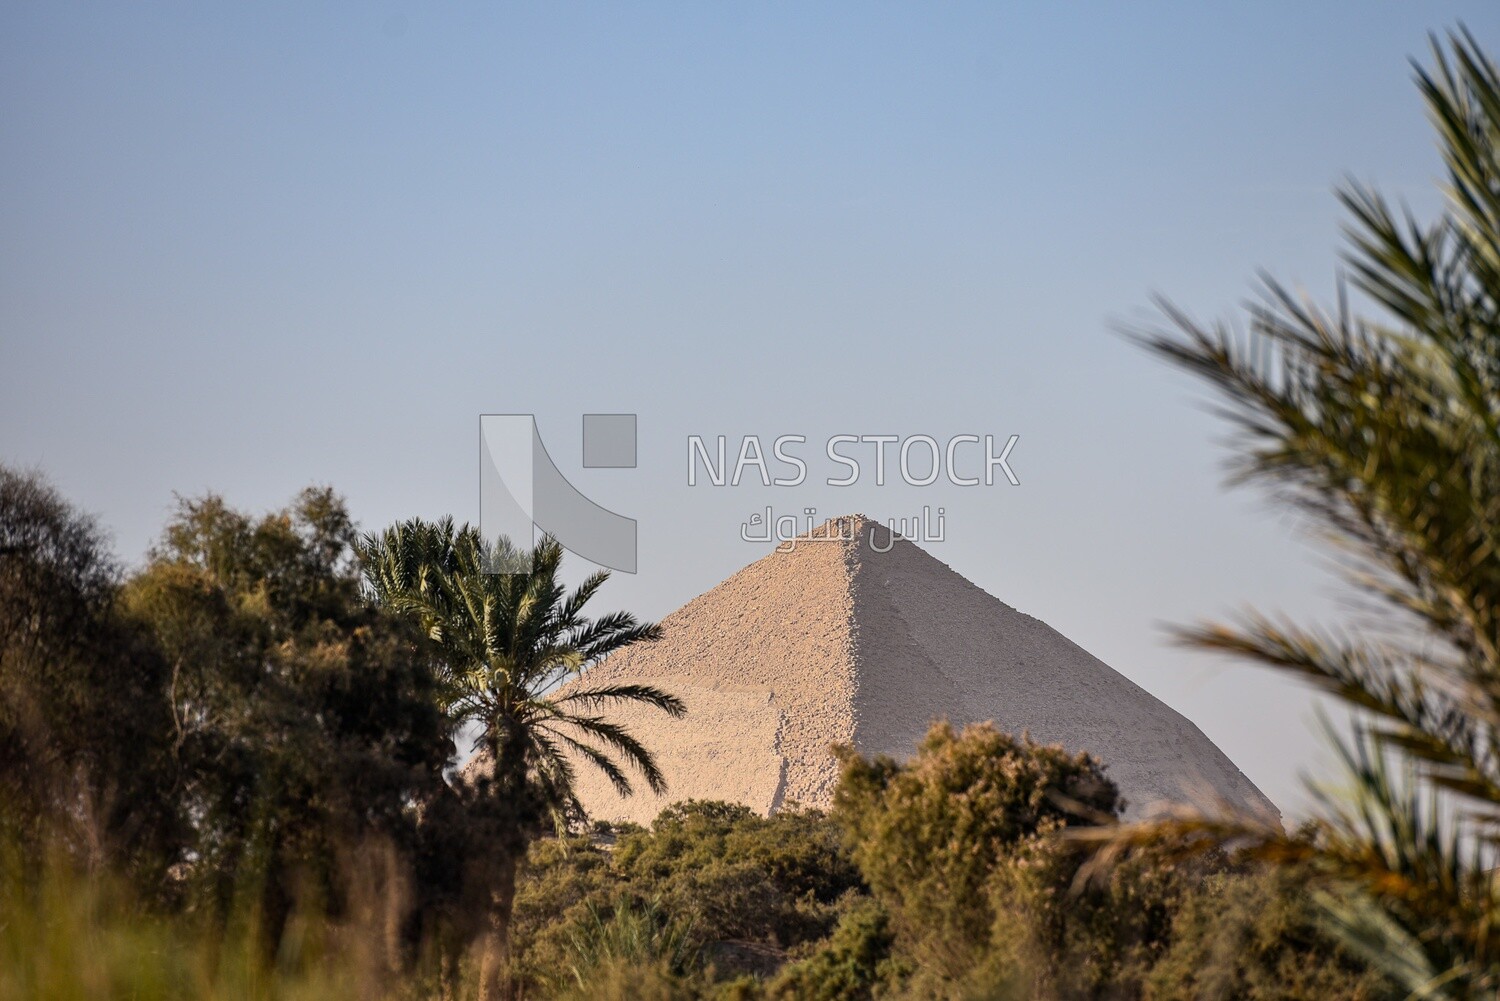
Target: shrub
848, 966
717, 872
1251, 935
954, 843
738, 875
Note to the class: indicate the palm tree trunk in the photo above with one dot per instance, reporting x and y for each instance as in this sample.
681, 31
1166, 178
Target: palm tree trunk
496, 977
496, 966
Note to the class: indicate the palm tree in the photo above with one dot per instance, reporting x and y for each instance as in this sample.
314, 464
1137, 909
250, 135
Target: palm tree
1385, 430
506, 642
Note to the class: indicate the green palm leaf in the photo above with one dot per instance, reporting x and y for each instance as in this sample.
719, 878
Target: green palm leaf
1385, 432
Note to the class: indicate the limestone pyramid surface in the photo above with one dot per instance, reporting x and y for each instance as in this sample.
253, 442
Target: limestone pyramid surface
836, 641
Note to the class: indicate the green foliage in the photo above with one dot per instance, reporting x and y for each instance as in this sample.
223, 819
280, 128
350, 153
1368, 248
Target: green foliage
932, 837
506, 641
78, 682
1252, 935
67, 936
725, 873
302, 720
739, 875
629, 934
1385, 430
854, 960
626, 981
562, 880
977, 893
958, 848
507, 632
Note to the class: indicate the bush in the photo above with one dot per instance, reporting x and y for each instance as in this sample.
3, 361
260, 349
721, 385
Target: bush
641, 936
848, 966
717, 872
955, 846
976, 895
773, 879
1251, 935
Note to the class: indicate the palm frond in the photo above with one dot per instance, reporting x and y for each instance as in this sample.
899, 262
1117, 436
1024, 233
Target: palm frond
619, 739
1385, 432
601, 761
594, 698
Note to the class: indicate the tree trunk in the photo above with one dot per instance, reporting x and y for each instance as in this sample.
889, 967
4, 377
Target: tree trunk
496, 980
507, 748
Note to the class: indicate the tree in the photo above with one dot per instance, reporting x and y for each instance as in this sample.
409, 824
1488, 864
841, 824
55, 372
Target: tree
506, 642
302, 719
1384, 429
84, 715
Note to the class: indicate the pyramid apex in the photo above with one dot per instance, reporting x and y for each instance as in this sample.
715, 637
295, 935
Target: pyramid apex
857, 529
856, 521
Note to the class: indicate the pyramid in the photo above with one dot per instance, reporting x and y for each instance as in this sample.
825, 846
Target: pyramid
837, 641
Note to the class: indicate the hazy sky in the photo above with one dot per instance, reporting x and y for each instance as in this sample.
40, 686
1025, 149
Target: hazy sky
250, 251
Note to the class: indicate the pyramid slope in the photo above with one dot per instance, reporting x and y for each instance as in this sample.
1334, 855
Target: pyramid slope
931, 644
837, 641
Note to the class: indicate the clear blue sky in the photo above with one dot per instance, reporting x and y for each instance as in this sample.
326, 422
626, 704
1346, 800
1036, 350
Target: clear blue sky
247, 251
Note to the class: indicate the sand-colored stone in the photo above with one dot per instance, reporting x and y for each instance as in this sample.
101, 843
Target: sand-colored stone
835, 641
